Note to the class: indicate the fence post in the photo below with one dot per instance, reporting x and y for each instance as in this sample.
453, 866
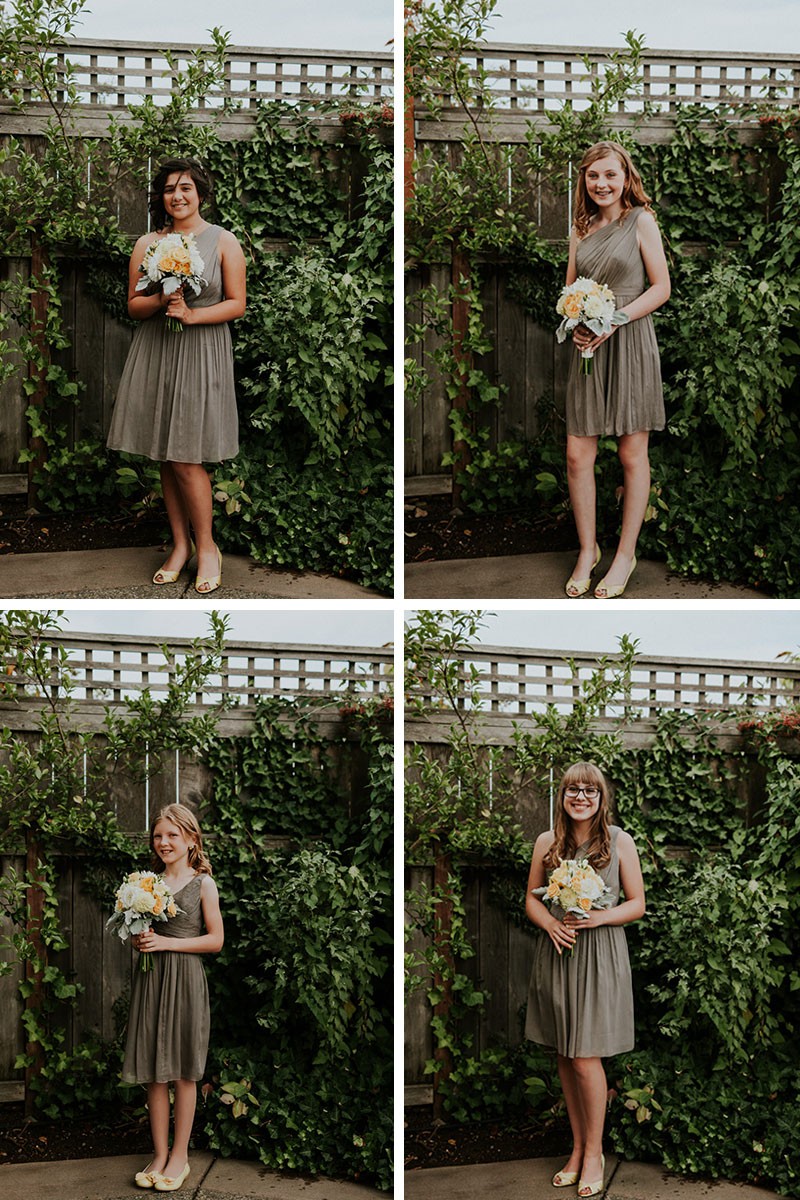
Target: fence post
461, 276
35, 965
39, 362
442, 980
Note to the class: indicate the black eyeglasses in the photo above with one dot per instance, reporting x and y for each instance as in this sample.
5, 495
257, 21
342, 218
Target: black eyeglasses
591, 793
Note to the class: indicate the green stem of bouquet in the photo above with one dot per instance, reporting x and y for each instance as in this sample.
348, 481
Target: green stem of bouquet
174, 325
145, 962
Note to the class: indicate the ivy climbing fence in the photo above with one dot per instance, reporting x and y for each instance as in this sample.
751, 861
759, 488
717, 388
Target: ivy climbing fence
514, 686
107, 669
526, 85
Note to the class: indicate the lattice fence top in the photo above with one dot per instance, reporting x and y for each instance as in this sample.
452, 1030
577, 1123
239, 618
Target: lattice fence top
110, 668
113, 76
516, 682
539, 79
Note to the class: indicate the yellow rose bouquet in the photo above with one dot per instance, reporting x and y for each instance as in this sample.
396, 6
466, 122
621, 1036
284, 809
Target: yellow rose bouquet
142, 898
577, 888
172, 261
588, 303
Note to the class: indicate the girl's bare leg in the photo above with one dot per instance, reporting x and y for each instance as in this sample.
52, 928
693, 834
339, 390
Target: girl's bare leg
195, 489
581, 455
593, 1092
158, 1112
636, 474
185, 1103
569, 1084
178, 516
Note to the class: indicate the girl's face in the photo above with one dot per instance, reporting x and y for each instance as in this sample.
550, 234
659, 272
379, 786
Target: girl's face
581, 801
181, 198
605, 181
171, 844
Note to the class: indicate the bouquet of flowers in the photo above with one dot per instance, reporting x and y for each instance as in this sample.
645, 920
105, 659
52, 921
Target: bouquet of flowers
173, 261
142, 898
588, 303
576, 887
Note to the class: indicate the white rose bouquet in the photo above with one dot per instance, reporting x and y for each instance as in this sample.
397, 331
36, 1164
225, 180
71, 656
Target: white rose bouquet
586, 302
142, 898
576, 887
173, 261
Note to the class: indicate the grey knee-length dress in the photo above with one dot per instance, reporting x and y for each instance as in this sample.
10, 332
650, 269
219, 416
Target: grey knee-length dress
583, 1006
176, 400
624, 392
169, 1022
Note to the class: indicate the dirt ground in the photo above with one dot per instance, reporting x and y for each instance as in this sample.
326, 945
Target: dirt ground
428, 1145
22, 532
435, 534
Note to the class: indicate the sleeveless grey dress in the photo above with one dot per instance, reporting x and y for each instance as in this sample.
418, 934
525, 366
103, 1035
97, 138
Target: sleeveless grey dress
583, 1006
168, 1024
176, 400
624, 392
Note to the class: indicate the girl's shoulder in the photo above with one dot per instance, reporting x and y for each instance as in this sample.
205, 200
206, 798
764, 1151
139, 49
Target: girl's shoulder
207, 885
544, 841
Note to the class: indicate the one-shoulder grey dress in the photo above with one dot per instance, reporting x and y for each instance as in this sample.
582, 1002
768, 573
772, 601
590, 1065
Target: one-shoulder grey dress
624, 392
582, 1006
176, 400
168, 1024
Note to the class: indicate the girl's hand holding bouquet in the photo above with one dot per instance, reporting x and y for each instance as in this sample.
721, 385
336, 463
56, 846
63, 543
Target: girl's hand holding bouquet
174, 262
142, 898
577, 889
586, 302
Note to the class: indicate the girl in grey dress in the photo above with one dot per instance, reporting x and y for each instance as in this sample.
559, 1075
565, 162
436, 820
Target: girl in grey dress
176, 401
580, 1003
615, 240
168, 1025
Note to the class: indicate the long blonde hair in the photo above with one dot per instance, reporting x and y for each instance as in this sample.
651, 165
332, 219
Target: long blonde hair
599, 839
633, 193
188, 824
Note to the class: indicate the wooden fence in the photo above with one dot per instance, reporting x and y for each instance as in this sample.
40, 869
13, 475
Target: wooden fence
108, 669
525, 85
515, 685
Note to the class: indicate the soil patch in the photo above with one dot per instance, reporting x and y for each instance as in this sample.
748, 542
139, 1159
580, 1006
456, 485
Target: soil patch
435, 533
24, 532
24, 1141
430, 1145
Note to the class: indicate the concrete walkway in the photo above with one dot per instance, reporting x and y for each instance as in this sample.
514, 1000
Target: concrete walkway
126, 574
543, 576
529, 1179
210, 1179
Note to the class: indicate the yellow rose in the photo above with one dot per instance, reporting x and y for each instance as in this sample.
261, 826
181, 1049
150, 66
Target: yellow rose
585, 903
552, 890
572, 306
172, 909
176, 262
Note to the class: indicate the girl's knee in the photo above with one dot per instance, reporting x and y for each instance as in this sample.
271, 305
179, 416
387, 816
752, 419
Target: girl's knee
580, 458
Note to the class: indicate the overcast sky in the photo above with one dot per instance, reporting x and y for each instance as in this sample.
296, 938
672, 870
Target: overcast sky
337, 627
755, 635
773, 25
303, 24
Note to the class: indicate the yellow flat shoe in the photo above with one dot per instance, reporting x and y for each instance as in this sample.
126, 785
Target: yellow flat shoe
159, 579
603, 592
163, 1184
585, 1188
565, 1179
579, 587
145, 1179
205, 586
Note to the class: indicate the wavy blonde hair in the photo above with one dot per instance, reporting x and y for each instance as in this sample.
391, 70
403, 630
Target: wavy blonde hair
599, 839
633, 193
189, 826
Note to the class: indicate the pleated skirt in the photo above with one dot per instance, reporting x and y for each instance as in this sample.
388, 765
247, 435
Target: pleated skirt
168, 1025
582, 1006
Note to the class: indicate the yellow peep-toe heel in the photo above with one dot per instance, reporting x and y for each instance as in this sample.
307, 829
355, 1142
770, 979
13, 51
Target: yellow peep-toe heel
161, 577
579, 587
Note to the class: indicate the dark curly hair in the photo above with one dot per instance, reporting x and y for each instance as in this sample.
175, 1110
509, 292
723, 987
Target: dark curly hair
186, 166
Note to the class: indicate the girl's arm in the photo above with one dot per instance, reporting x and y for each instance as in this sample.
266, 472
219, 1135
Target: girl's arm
234, 286
210, 942
140, 306
630, 877
572, 270
557, 931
